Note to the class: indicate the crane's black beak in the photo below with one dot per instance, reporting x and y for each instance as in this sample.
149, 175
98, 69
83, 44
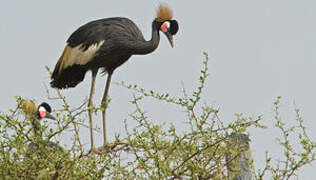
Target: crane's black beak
170, 38
49, 116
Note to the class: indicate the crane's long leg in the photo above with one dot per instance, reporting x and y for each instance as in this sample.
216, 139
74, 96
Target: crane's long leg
90, 107
104, 103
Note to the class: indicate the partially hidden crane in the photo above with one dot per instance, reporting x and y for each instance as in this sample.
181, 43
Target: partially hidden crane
36, 114
107, 44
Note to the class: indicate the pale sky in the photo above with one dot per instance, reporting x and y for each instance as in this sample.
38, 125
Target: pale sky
258, 50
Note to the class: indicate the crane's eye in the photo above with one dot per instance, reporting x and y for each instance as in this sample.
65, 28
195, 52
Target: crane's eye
42, 112
165, 26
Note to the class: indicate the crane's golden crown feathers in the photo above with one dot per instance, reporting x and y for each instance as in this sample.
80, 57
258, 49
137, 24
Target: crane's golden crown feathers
164, 13
28, 106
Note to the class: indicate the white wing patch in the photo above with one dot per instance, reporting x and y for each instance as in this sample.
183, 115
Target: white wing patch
77, 55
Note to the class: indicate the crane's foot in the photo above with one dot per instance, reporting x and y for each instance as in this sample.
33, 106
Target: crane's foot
104, 149
93, 151
100, 150
106, 145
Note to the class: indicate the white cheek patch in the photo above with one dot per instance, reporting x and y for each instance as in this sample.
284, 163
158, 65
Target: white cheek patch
167, 24
42, 112
42, 109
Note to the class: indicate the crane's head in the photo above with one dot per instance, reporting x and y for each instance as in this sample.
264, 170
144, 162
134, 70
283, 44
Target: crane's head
44, 111
167, 25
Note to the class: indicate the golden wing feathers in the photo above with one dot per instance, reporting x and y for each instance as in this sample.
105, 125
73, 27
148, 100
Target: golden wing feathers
76, 55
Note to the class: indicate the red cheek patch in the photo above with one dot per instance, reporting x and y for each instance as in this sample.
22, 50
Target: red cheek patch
164, 27
42, 114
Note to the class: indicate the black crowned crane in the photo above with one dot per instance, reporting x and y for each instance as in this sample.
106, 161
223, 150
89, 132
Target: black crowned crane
107, 44
36, 114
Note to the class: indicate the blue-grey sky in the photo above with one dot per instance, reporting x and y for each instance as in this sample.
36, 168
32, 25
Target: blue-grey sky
258, 50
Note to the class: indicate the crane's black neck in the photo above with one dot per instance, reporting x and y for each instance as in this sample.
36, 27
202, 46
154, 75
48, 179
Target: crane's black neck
147, 47
36, 126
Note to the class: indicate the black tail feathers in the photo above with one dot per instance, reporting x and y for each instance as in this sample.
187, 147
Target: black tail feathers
69, 77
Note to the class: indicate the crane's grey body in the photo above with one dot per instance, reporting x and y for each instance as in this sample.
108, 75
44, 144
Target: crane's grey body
33, 148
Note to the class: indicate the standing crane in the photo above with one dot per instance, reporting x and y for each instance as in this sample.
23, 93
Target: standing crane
37, 113
107, 44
